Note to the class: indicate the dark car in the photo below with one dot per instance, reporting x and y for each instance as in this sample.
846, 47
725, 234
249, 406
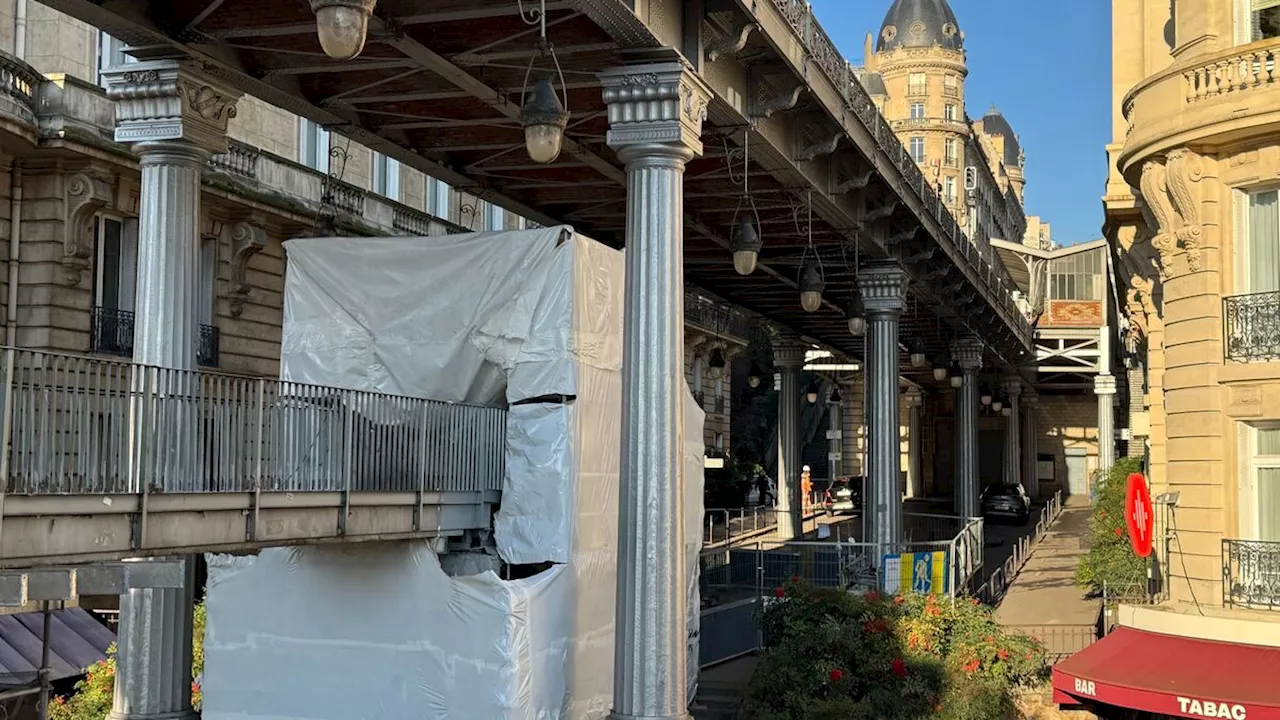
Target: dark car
1006, 501
843, 497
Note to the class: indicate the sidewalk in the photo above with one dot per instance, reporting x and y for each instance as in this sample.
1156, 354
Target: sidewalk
1044, 599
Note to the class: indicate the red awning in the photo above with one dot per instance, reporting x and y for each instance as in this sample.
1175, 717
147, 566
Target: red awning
1170, 675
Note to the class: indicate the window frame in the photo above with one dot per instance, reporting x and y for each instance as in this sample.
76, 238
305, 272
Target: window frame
917, 88
1242, 200
912, 111
949, 112
321, 144
128, 231
1248, 507
384, 176
1245, 13
913, 142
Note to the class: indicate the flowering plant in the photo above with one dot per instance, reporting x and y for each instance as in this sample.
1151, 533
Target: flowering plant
93, 693
832, 654
1110, 561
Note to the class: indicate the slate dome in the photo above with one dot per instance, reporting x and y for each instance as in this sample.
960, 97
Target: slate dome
920, 24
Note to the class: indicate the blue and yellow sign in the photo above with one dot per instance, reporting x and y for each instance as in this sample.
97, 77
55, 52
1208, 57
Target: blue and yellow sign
921, 573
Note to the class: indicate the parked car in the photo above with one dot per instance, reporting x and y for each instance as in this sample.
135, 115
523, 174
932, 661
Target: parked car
753, 495
844, 496
1006, 501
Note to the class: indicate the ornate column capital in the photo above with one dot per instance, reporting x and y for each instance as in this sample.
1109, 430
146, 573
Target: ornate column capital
967, 353
788, 353
884, 289
655, 106
1013, 386
915, 398
1030, 398
1104, 385
170, 99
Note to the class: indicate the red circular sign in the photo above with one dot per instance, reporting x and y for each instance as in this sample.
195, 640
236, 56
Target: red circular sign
1139, 515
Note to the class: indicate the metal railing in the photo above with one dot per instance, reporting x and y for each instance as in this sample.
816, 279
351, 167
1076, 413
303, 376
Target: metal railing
915, 122
976, 251
84, 425
1060, 641
724, 526
1251, 574
997, 584
111, 333
1252, 327
717, 317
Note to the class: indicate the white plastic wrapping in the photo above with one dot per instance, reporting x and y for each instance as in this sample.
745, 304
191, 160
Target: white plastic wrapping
694, 468
380, 631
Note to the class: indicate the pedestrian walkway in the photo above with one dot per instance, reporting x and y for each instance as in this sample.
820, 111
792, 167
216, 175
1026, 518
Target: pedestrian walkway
1044, 600
722, 688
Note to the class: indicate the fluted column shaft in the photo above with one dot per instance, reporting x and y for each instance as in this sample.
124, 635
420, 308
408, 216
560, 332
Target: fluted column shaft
915, 447
835, 421
968, 355
1013, 433
176, 118
1104, 386
1030, 445
655, 117
788, 358
883, 290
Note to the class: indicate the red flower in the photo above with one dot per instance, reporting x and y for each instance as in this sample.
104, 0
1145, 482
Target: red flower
1002, 654
933, 611
899, 667
60, 700
989, 639
1119, 532
1102, 513
975, 601
972, 666
195, 688
795, 578
836, 675
779, 592
876, 625
912, 641
1030, 655
898, 600
872, 596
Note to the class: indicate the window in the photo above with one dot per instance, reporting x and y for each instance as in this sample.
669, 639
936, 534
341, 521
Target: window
111, 54
386, 176
1264, 20
495, 218
437, 200
949, 112
917, 84
949, 189
917, 149
917, 111
1260, 494
949, 152
1259, 258
116, 269
950, 86
1077, 277
313, 145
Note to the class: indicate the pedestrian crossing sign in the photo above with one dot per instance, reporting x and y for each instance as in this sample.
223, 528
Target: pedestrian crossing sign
924, 573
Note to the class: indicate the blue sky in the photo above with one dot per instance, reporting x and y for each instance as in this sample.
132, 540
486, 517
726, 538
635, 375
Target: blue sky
1047, 66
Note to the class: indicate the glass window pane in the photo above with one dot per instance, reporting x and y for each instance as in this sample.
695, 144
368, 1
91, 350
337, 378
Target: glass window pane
1269, 441
1269, 503
1264, 241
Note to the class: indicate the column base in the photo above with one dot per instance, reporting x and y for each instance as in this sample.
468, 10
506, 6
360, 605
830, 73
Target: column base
179, 715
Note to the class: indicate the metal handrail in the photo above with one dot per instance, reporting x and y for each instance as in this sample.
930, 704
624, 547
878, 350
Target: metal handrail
1251, 327
84, 425
1251, 574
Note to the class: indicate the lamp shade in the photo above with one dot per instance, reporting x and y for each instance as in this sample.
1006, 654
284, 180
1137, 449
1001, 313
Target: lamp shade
940, 373
544, 119
745, 243
716, 364
811, 285
342, 26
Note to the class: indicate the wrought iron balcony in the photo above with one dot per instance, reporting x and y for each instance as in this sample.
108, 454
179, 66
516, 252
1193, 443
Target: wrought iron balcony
1252, 332
716, 317
84, 425
1251, 574
111, 333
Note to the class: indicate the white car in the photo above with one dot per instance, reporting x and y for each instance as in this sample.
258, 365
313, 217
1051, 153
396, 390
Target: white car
753, 495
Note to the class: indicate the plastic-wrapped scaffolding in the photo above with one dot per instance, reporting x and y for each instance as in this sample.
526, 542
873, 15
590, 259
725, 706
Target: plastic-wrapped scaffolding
532, 319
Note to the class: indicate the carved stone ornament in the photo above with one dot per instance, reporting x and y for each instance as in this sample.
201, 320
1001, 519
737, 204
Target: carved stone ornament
87, 193
170, 100
1184, 170
967, 353
1161, 218
883, 288
247, 239
655, 104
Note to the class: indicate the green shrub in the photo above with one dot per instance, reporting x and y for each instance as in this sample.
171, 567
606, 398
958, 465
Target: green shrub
1110, 561
93, 696
836, 655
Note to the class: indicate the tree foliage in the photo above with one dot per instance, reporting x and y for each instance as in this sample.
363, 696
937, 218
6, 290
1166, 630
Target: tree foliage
1110, 562
93, 693
835, 655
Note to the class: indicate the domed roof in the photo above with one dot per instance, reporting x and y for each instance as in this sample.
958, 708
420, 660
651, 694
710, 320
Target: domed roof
993, 123
920, 23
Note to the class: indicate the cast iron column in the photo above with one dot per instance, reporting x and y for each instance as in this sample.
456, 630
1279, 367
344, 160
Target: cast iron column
1104, 386
788, 359
835, 420
967, 353
915, 447
884, 290
655, 122
175, 118
1030, 449
1013, 433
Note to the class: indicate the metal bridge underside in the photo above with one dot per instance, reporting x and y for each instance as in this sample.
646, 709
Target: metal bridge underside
438, 87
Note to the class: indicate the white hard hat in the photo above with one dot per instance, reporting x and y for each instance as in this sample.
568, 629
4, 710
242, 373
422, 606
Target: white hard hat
806, 468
